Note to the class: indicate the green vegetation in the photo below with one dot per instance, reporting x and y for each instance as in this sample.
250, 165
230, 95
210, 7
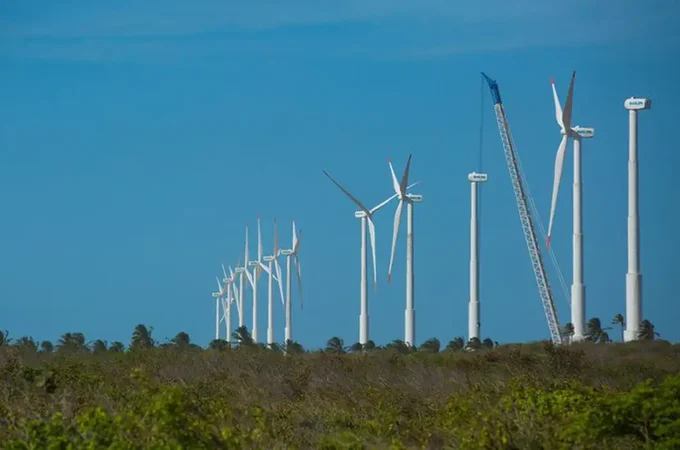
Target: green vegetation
176, 395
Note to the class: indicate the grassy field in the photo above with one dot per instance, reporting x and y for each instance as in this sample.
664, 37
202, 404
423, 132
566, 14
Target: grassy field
531, 396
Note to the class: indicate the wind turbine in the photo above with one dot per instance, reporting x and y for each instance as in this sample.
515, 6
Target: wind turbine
366, 216
473, 306
240, 270
409, 199
218, 296
254, 278
272, 265
292, 253
578, 290
232, 293
633, 277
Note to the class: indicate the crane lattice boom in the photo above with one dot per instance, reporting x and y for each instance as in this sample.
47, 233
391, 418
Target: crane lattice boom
524, 215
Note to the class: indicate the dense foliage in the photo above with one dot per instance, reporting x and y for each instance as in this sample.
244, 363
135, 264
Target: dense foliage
177, 395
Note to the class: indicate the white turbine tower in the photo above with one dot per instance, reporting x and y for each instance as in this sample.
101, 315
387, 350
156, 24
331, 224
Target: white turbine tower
272, 265
232, 293
366, 216
218, 296
255, 277
292, 253
473, 306
240, 271
578, 290
633, 277
409, 199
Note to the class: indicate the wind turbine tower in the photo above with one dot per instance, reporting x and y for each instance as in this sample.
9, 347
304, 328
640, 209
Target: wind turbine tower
633, 277
218, 296
409, 199
254, 278
272, 264
577, 133
473, 307
291, 254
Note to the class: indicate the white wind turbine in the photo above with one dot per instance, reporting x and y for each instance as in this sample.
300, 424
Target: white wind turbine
474, 324
255, 277
240, 270
292, 253
272, 265
366, 216
218, 296
578, 294
409, 199
229, 282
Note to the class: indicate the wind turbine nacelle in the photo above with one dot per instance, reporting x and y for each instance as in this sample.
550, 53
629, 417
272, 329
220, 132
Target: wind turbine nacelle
416, 198
477, 177
217, 294
637, 103
585, 133
240, 269
253, 263
268, 258
286, 252
359, 214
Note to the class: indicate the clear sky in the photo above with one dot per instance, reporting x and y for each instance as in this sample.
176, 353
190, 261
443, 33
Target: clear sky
138, 138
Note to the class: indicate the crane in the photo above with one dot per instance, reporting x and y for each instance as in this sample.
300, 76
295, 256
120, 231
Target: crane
524, 215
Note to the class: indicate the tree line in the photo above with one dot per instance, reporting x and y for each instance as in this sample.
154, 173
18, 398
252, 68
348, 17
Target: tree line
142, 339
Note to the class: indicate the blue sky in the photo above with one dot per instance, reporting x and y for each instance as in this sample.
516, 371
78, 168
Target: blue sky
137, 139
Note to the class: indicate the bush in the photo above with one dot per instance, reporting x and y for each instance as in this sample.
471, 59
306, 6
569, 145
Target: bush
513, 397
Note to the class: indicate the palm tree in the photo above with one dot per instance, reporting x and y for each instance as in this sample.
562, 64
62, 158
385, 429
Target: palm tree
181, 340
356, 347
4, 338
218, 344
431, 345
456, 344
72, 342
567, 331
26, 343
488, 343
646, 331
98, 346
369, 345
117, 347
336, 345
141, 337
473, 344
46, 347
399, 346
293, 347
619, 320
595, 332
242, 337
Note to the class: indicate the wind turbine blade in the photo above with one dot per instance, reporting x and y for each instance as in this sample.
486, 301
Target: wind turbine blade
377, 207
299, 278
353, 198
257, 271
558, 108
371, 234
224, 271
395, 183
250, 278
395, 232
219, 285
265, 268
296, 247
232, 276
294, 237
559, 163
279, 279
276, 241
404, 179
566, 114
245, 263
